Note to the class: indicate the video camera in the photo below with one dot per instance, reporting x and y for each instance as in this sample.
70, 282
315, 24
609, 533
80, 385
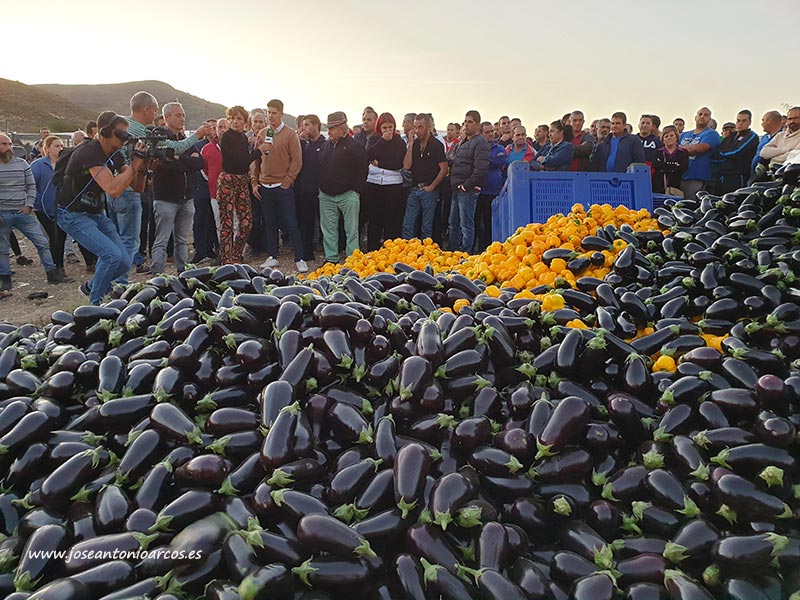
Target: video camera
154, 136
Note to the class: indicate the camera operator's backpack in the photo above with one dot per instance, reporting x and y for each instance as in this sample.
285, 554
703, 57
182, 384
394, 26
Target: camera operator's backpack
60, 170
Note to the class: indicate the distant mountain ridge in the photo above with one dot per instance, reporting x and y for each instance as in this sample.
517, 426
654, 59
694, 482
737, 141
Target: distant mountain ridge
116, 97
25, 108
64, 108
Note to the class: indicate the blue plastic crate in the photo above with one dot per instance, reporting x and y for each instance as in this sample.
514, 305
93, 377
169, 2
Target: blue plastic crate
659, 199
534, 196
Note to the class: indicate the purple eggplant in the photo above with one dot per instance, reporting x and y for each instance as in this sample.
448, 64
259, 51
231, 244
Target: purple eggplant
185, 509
682, 587
411, 576
322, 533
38, 563
747, 501
429, 542
173, 423
348, 482
410, 469
332, 571
68, 588
449, 494
349, 425
566, 423
597, 586
106, 578
272, 581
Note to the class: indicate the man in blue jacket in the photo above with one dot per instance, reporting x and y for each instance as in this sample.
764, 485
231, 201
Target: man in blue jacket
619, 150
491, 187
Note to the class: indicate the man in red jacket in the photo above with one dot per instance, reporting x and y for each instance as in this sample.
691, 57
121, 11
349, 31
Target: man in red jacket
520, 149
584, 142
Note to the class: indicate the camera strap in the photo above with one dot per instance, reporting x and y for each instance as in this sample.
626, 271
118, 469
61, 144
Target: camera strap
86, 187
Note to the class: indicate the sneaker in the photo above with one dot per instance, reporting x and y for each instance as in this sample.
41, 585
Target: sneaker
23, 262
84, 289
5, 283
142, 268
57, 276
269, 263
72, 259
301, 265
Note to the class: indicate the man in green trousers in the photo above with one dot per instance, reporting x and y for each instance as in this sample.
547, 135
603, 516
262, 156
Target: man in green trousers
342, 179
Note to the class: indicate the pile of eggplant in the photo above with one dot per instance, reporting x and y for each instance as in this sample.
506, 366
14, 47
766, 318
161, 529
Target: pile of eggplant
230, 434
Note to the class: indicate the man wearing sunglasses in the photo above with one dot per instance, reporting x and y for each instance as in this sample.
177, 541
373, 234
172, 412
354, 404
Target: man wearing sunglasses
94, 168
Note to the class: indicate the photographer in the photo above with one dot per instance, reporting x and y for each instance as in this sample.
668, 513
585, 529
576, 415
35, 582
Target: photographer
125, 210
93, 168
172, 195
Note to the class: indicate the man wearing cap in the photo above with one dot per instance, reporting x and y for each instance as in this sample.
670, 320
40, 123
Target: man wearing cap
94, 168
343, 175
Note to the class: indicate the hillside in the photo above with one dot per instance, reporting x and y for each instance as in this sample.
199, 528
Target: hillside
25, 108
116, 96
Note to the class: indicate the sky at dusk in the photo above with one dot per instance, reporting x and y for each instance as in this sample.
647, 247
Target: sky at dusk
532, 59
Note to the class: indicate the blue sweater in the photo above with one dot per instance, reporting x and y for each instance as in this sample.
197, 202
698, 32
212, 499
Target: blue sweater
629, 151
558, 157
45, 191
496, 175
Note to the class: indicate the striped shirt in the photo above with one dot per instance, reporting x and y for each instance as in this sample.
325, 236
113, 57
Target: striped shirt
136, 129
17, 187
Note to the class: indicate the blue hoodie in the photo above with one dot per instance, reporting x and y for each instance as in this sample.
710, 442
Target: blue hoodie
496, 174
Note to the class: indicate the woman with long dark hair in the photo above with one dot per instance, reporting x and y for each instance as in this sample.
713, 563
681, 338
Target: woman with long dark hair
384, 191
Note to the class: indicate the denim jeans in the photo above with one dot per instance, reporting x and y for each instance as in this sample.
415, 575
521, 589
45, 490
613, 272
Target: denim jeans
420, 201
27, 225
172, 218
462, 221
98, 234
279, 211
126, 214
329, 209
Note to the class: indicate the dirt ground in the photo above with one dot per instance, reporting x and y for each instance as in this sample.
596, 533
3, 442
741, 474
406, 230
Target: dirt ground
19, 310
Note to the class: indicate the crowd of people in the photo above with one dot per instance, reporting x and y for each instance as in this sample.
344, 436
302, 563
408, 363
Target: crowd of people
248, 184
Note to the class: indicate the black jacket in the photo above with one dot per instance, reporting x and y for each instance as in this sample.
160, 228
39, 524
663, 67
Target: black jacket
669, 168
171, 181
308, 179
735, 153
469, 162
344, 167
